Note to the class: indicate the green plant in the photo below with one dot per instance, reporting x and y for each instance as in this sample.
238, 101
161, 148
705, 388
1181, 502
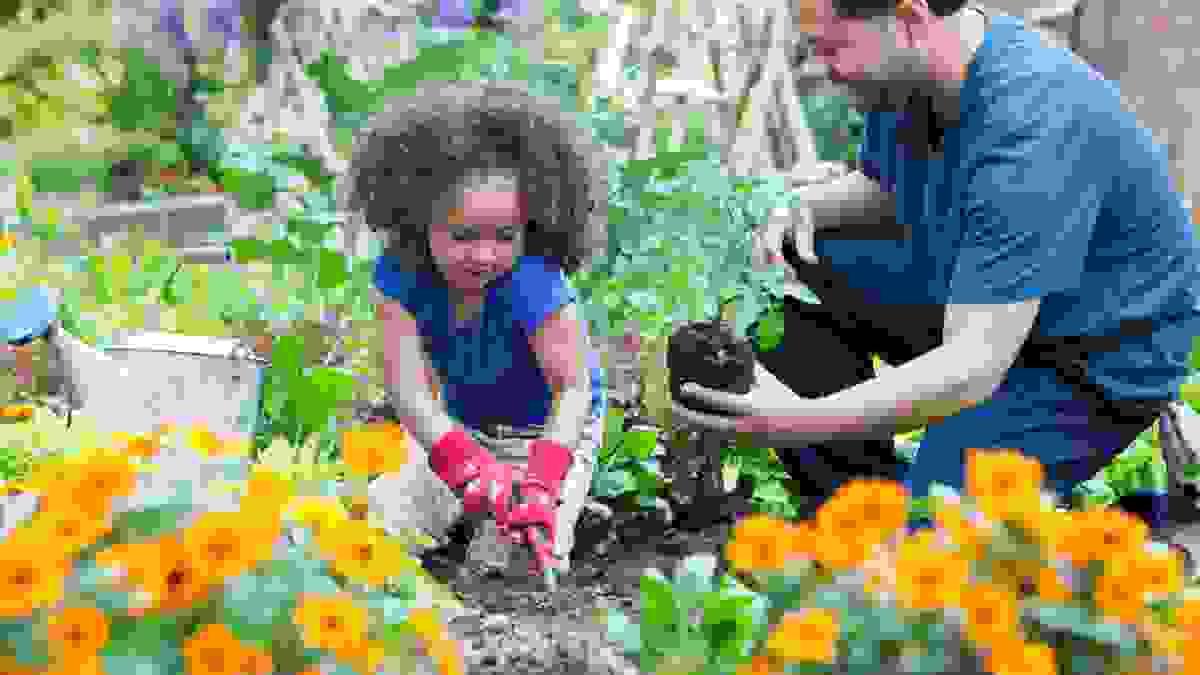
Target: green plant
694, 619
626, 465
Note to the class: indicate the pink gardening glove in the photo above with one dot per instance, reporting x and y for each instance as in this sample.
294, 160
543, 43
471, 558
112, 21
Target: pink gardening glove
532, 521
483, 484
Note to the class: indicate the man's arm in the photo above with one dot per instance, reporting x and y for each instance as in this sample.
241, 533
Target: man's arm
854, 206
981, 344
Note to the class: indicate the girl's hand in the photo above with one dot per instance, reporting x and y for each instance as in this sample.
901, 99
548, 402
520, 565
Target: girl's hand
483, 484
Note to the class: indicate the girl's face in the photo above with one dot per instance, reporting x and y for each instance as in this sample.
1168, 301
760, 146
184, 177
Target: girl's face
483, 234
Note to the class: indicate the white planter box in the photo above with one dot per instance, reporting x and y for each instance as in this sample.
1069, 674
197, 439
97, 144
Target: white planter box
152, 378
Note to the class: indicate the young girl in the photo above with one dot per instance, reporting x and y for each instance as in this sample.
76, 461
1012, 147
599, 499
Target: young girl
488, 198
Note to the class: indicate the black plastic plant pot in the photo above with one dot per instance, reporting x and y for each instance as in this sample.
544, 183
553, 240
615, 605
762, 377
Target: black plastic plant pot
708, 354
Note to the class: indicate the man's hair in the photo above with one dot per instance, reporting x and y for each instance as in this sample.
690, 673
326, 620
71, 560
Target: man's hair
867, 8
419, 149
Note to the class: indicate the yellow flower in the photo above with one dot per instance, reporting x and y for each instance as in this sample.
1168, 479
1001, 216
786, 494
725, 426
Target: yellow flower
1004, 483
331, 622
992, 614
319, 514
362, 553
363, 658
930, 576
16, 412
809, 635
87, 482
72, 531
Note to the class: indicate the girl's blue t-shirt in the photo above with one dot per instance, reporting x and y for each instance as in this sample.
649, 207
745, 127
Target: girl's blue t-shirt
488, 370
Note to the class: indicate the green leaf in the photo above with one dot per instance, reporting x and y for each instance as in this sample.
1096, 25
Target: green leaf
252, 604
250, 250
728, 625
660, 610
1077, 620
640, 444
331, 271
151, 522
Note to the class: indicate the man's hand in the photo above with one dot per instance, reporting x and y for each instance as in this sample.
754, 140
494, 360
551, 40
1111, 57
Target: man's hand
770, 415
795, 223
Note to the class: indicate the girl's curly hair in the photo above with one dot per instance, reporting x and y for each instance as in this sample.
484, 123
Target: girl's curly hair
419, 148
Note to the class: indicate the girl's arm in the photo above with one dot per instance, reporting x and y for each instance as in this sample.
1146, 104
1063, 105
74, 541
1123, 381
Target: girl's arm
408, 376
560, 348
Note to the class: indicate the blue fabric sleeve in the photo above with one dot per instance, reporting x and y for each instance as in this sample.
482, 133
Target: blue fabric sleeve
539, 289
395, 282
1031, 201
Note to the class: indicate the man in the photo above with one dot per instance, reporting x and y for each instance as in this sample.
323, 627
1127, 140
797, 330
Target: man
1030, 211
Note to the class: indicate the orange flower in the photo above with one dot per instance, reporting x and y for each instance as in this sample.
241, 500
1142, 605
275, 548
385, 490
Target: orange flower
145, 446
362, 553
31, 577
92, 665
1051, 587
1120, 598
171, 578
1158, 571
77, 634
1099, 534
930, 576
375, 449
992, 614
759, 665
331, 622
1004, 483
1021, 658
213, 650
267, 491
204, 441
809, 635
72, 531
16, 412
444, 651
760, 543
227, 544
255, 662
87, 483
967, 534
363, 658
860, 517
1187, 616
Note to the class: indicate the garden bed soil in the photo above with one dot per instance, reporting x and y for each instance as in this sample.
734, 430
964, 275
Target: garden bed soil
513, 624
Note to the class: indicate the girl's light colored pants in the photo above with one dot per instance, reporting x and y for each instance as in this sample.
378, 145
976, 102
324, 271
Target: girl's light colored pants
416, 499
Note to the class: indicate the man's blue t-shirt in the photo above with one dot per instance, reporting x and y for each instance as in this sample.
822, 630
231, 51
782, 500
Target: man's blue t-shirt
487, 368
1049, 188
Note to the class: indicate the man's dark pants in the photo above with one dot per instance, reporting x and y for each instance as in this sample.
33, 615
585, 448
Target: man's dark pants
828, 348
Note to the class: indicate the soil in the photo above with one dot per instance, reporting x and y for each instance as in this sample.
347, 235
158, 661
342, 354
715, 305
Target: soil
513, 624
